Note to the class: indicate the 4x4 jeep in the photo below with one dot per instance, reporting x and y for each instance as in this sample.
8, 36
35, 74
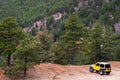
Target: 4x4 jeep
101, 68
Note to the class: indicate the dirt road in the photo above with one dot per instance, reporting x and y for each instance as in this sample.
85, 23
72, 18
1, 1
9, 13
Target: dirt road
57, 72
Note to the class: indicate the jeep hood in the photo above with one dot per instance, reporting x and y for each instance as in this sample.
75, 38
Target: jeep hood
92, 65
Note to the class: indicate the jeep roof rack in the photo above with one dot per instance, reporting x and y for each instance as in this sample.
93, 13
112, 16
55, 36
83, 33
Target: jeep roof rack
102, 62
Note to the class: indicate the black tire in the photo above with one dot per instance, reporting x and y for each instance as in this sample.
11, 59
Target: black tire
101, 72
91, 69
107, 73
97, 71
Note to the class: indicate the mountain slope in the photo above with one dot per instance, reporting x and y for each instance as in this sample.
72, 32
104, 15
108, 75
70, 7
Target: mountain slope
28, 11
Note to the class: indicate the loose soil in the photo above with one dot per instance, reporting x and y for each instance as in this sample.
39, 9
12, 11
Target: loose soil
48, 71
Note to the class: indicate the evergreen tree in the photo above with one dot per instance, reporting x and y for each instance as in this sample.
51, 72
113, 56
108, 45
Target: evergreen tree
46, 40
26, 54
109, 43
72, 37
33, 32
115, 47
59, 53
96, 42
10, 34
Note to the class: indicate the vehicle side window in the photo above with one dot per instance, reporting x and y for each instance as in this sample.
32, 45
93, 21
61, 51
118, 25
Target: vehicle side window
97, 64
107, 65
101, 65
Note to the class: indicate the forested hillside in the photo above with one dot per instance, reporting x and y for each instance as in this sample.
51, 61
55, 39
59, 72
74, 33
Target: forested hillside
58, 31
29, 11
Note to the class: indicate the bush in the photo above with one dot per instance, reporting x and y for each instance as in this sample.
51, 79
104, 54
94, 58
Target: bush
2, 61
117, 54
13, 71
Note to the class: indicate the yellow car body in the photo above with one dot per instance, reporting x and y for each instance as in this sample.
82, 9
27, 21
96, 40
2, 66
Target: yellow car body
101, 67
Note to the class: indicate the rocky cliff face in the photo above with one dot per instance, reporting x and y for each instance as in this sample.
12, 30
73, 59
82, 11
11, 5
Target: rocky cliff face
38, 24
58, 15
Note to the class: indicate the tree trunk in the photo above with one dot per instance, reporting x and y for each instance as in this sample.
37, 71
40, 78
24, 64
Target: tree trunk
72, 57
9, 60
25, 66
99, 53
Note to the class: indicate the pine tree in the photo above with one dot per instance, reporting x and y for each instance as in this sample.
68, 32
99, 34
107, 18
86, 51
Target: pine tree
73, 36
116, 54
10, 34
96, 42
108, 43
111, 43
46, 40
26, 54
59, 53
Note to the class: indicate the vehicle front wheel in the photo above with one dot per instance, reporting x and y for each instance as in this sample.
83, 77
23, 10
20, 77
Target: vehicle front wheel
101, 72
107, 73
91, 69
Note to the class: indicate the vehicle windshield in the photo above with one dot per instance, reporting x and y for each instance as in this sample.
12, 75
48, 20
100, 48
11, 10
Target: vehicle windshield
107, 65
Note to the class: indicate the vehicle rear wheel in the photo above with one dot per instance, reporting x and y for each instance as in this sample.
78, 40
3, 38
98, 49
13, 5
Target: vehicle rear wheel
101, 72
107, 73
91, 69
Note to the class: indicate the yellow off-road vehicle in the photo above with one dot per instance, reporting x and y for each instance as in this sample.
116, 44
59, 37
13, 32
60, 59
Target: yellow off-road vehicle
101, 68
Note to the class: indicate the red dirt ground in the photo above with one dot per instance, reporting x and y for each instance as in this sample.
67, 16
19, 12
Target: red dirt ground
50, 71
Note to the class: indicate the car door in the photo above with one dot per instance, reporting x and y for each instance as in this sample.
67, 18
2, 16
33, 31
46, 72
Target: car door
97, 67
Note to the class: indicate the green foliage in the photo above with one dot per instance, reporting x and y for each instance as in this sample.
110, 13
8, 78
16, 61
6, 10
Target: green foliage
117, 54
116, 50
12, 71
27, 11
82, 59
107, 13
10, 34
3, 61
50, 21
59, 54
109, 43
46, 40
69, 42
33, 32
96, 41
25, 55
73, 30
101, 44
